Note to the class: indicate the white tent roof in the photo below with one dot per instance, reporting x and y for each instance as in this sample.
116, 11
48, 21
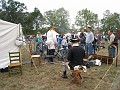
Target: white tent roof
8, 34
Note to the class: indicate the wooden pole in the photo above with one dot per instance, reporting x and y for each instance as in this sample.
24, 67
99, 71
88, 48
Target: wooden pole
20, 54
117, 55
20, 46
30, 49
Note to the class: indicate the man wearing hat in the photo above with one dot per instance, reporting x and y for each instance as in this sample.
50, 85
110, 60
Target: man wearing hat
75, 54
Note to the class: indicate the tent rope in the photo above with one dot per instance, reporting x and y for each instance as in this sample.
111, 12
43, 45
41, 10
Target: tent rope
114, 79
105, 73
26, 43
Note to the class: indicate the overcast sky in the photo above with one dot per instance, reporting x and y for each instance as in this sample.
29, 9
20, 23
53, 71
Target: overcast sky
73, 6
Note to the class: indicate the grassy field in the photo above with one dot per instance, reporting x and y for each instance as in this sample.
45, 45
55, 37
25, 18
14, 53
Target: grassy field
49, 77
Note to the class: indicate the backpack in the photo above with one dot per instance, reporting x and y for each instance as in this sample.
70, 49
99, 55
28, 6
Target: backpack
115, 42
95, 40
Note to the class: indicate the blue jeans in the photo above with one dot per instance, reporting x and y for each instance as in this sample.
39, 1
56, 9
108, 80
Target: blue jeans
63, 53
94, 49
59, 46
39, 47
89, 48
112, 51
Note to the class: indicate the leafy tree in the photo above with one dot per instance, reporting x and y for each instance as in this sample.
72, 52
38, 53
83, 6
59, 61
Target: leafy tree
110, 21
34, 22
38, 19
12, 11
28, 23
2, 5
2, 8
58, 18
85, 18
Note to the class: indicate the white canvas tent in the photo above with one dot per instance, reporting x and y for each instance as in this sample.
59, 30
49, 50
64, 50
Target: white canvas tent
8, 34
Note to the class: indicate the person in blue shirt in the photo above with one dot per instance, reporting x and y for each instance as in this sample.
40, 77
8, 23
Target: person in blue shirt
89, 40
39, 43
59, 40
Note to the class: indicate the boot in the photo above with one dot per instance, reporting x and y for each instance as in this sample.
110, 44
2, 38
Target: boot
64, 71
64, 75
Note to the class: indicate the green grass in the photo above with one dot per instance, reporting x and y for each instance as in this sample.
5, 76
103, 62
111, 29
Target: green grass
49, 77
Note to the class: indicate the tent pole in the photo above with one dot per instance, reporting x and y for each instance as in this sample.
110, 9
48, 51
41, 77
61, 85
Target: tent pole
20, 46
117, 56
20, 54
19, 30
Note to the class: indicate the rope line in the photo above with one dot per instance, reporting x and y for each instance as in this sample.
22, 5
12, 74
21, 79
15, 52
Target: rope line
105, 73
114, 79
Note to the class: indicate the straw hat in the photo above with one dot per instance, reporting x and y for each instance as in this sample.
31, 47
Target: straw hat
53, 28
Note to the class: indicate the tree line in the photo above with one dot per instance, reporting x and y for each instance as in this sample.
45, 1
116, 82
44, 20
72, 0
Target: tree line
16, 12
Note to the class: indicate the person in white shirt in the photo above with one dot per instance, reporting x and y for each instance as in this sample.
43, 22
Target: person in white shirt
51, 42
89, 40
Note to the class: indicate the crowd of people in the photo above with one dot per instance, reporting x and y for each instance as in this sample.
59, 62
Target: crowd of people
88, 41
76, 45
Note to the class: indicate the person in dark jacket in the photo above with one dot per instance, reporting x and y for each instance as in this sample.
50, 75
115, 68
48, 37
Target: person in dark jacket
75, 54
82, 40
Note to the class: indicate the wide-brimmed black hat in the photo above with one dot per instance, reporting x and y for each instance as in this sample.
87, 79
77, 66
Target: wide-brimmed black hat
74, 40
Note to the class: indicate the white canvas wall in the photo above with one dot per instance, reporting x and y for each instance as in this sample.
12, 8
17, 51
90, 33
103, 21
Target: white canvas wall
8, 34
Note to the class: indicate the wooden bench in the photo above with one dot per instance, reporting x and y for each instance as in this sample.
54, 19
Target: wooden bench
35, 57
104, 59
